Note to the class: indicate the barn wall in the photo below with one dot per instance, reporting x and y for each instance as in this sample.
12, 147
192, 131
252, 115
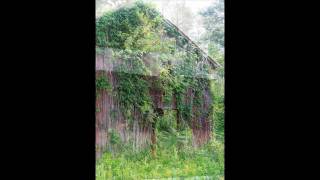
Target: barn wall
201, 124
109, 115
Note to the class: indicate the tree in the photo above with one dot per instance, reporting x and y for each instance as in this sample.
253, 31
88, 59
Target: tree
181, 15
112, 3
103, 5
165, 5
213, 18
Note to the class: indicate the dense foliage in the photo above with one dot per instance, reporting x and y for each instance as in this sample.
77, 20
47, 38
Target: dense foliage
169, 162
214, 24
102, 83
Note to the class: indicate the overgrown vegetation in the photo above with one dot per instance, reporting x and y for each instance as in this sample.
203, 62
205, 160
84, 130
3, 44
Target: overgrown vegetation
102, 83
169, 162
133, 33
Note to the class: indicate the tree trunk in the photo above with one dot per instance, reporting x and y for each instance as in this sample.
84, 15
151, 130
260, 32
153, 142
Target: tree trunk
178, 113
178, 120
153, 141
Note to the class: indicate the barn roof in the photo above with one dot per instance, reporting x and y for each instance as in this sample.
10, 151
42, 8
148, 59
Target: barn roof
104, 62
212, 62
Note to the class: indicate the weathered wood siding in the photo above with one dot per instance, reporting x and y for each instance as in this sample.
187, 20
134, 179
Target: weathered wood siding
109, 116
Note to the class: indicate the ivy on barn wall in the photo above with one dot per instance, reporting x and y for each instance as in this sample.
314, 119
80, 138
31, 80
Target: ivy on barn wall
133, 32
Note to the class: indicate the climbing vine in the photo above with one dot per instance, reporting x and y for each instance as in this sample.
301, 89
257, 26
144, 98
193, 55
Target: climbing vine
102, 83
133, 33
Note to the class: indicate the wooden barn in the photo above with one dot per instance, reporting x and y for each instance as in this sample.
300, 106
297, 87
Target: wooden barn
110, 116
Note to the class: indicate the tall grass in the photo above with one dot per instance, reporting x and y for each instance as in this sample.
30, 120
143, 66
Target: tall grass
175, 156
169, 162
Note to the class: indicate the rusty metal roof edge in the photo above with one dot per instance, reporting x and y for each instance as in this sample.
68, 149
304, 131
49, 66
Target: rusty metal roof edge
215, 64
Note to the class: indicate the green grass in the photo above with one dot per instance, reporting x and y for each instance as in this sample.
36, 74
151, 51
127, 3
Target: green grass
188, 162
